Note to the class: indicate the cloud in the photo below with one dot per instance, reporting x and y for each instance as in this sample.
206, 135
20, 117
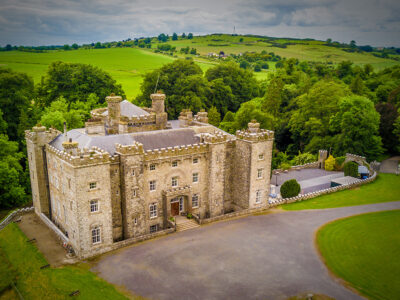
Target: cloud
38, 22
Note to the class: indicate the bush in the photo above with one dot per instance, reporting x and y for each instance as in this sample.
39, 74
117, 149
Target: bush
330, 163
189, 216
339, 163
351, 169
285, 166
290, 188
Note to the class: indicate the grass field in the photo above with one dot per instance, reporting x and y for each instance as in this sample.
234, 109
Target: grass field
20, 262
385, 188
128, 65
364, 250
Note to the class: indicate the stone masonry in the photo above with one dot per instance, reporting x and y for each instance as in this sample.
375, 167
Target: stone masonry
125, 174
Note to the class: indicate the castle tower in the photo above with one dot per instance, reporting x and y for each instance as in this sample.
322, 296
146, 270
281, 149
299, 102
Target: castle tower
252, 168
158, 107
36, 141
114, 113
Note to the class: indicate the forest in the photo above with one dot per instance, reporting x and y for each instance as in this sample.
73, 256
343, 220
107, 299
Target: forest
309, 105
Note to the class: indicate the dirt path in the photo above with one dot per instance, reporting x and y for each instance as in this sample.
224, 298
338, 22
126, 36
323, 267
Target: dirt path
46, 240
390, 165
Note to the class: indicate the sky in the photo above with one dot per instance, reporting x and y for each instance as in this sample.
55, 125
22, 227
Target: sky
59, 22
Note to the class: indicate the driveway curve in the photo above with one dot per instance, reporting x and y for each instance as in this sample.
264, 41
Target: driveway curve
270, 256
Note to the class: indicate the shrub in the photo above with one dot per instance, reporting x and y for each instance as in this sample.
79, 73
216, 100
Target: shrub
303, 158
285, 166
330, 163
339, 163
189, 216
351, 169
290, 188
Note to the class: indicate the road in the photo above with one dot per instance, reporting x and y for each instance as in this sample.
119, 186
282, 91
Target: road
270, 256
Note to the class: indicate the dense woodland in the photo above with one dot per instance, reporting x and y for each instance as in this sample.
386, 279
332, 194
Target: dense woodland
310, 106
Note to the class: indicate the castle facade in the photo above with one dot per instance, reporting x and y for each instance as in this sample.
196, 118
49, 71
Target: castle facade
130, 170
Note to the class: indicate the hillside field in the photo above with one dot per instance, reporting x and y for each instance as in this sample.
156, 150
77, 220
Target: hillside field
128, 65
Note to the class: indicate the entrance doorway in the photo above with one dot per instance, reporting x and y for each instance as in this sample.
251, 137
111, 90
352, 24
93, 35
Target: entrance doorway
177, 205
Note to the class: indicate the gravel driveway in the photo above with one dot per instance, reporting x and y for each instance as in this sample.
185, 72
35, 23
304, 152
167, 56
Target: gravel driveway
270, 256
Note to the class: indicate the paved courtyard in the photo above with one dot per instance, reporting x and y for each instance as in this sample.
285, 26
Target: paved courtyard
310, 180
270, 256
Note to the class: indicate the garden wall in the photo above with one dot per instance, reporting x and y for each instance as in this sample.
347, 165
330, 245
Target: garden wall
12, 216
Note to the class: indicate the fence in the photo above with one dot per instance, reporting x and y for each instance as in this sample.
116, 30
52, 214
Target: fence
12, 216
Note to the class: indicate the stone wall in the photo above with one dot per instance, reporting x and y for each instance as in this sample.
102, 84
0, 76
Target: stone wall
14, 215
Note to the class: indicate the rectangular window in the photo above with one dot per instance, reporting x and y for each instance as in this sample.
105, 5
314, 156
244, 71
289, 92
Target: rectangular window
174, 163
258, 196
261, 156
153, 210
153, 228
195, 177
152, 185
259, 173
94, 205
69, 183
135, 221
195, 160
96, 235
152, 167
195, 200
133, 172
92, 185
174, 181
134, 193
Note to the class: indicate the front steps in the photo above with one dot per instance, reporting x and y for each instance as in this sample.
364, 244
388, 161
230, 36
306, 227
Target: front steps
184, 223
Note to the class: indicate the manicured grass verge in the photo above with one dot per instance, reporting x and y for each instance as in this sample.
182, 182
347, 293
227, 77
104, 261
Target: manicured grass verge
365, 251
22, 261
385, 188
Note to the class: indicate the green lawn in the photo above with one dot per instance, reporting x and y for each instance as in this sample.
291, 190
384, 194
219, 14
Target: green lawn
385, 188
22, 260
365, 251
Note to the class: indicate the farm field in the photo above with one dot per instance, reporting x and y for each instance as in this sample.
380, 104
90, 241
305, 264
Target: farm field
364, 251
385, 188
128, 65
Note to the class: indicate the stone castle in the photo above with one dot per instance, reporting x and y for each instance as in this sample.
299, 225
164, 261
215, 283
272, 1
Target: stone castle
130, 170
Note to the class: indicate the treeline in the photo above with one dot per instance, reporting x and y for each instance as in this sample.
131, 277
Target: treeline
310, 106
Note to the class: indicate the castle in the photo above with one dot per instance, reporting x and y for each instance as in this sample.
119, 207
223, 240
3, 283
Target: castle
130, 170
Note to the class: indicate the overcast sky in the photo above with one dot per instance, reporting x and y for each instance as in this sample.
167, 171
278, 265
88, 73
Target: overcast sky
57, 22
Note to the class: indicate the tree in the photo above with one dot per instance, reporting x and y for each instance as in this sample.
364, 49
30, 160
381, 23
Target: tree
353, 44
66, 47
388, 115
221, 95
214, 117
242, 83
357, 85
183, 83
16, 93
174, 36
12, 191
257, 68
396, 131
183, 36
193, 51
290, 188
244, 64
190, 36
273, 96
75, 46
75, 82
162, 37
329, 41
303, 158
357, 127
3, 124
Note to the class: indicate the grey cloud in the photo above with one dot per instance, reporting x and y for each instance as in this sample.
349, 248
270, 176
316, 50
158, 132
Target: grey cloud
39, 22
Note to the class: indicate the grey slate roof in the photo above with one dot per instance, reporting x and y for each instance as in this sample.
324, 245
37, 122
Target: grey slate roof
150, 139
129, 110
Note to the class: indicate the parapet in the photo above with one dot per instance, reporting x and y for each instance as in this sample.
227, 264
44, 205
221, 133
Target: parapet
98, 113
85, 157
113, 99
216, 137
262, 135
41, 131
176, 151
201, 116
135, 148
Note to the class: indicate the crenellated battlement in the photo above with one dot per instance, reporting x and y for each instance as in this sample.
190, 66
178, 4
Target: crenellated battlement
97, 113
138, 120
84, 157
351, 156
50, 134
217, 137
135, 148
262, 135
176, 151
